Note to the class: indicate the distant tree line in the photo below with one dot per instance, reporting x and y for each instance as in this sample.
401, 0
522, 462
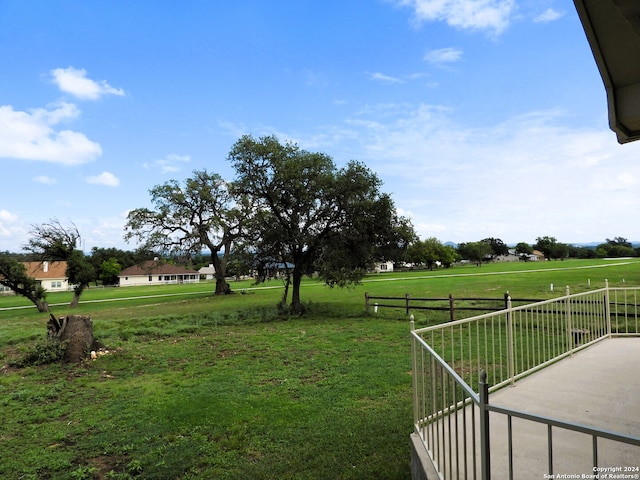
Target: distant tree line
432, 252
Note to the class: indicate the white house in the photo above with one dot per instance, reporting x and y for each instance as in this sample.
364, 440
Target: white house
382, 267
52, 276
208, 273
154, 272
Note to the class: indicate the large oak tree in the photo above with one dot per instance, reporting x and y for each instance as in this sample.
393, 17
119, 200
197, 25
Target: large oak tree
312, 217
200, 214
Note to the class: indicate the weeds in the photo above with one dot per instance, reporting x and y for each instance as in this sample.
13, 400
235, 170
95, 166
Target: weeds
42, 353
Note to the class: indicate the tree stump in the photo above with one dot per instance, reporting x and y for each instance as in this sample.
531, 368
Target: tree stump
76, 332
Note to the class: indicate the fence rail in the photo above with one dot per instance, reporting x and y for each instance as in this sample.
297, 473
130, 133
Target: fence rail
450, 417
451, 304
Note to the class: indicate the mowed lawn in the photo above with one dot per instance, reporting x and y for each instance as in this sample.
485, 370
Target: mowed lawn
196, 386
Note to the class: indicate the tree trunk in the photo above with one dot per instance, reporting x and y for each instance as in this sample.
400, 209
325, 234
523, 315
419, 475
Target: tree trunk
285, 293
77, 292
41, 305
222, 287
296, 304
74, 330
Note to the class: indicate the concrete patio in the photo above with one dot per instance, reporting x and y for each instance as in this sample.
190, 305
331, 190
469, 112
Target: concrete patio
597, 387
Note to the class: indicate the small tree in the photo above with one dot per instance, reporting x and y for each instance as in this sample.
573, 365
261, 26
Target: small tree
498, 247
54, 242
109, 271
428, 252
551, 248
13, 274
475, 251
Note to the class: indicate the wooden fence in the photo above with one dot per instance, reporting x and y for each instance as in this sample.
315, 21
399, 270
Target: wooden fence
451, 304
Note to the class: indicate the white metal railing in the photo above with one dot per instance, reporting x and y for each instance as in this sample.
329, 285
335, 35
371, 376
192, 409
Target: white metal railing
506, 346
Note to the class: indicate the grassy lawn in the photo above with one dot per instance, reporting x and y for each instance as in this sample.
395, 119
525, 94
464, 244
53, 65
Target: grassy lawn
195, 386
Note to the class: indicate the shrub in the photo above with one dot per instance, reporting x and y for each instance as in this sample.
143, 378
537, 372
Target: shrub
43, 354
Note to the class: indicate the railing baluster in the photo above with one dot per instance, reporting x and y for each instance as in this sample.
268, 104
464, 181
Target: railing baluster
485, 447
550, 449
533, 336
510, 444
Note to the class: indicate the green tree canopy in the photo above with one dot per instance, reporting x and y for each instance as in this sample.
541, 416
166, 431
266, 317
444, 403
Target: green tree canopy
203, 213
13, 274
428, 252
551, 248
313, 216
498, 247
54, 242
109, 271
616, 247
475, 251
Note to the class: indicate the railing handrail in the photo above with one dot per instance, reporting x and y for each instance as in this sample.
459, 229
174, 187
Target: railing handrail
569, 318
576, 427
513, 309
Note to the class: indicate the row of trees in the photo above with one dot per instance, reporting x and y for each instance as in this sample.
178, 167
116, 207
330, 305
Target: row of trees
285, 206
431, 251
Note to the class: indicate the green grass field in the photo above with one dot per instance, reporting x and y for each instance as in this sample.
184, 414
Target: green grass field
196, 386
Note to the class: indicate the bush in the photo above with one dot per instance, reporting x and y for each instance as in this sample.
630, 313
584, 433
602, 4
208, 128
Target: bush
43, 354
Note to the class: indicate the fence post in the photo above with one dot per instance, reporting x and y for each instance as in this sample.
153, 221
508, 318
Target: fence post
510, 341
485, 447
366, 301
406, 303
607, 306
567, 312
414, 369
452, 308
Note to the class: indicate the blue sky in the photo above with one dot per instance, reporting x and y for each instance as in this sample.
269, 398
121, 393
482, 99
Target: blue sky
482, 117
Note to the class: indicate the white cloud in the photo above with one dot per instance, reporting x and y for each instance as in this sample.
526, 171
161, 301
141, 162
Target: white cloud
75, 82
528, 176
170, 164
488, 15
7, 216
385, 78
45, 180
107, 179
12, 230
32, 136
443, 55
549, 15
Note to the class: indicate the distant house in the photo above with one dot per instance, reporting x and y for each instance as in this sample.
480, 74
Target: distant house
538, 255
382, 267
154, 272
207, 273
277, 269
512, 256
52, 276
